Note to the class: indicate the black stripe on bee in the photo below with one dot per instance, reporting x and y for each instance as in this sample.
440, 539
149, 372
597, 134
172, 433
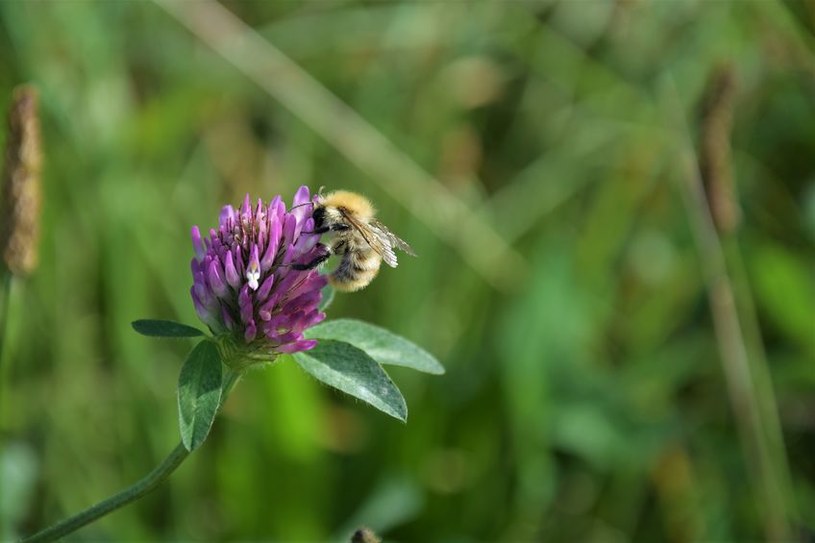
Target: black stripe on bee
319, 217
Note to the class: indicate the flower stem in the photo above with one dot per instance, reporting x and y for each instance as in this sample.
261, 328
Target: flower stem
131, 493
7, 289
230, 380
5, 301
126, 496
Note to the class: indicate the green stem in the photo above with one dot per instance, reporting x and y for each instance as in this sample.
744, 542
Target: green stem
759, 429
5, 328
5, 311
126, 496
131, 493
230, 380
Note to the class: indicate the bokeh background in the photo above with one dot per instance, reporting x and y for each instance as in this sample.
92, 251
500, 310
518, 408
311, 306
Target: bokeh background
543, 159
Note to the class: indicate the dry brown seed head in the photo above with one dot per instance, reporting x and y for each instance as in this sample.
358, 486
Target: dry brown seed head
20, 211
715, 161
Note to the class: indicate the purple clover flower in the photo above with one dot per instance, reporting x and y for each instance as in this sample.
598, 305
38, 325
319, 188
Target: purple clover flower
243, 284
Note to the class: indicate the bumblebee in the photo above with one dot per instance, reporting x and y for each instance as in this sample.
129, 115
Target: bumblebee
359, 239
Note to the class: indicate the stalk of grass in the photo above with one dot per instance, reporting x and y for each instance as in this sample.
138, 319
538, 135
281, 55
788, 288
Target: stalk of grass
765, 455
20, 210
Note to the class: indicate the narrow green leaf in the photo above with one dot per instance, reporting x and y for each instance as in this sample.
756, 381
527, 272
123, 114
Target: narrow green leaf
199, 393
328, 297
343, 366
159, 328
383, 346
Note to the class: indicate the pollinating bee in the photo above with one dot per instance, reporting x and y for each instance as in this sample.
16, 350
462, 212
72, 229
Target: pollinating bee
359, 239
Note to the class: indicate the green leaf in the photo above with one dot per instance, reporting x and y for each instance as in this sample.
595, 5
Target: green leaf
199, 393
343, 366
785, 291
328, 297
159, 328
383, 346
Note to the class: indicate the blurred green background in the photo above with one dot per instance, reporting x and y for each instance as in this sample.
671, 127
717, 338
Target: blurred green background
559, 278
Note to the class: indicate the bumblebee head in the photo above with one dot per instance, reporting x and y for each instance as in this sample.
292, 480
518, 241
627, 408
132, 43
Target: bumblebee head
319, 216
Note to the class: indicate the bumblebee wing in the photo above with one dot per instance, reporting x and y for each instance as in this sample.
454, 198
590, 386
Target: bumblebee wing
393, 239
378, 241
389, 240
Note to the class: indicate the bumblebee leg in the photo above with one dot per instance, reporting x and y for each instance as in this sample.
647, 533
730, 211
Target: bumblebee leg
322, 257
323, 229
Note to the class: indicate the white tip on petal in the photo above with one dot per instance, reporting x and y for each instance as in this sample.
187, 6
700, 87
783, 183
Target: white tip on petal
252, 277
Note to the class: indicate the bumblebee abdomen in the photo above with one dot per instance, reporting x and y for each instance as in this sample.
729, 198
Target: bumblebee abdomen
355, 271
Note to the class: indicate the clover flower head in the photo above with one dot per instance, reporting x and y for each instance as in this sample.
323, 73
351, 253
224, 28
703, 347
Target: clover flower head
244, 284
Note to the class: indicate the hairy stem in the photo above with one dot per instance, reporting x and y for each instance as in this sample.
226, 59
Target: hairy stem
126, 496
131, 493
